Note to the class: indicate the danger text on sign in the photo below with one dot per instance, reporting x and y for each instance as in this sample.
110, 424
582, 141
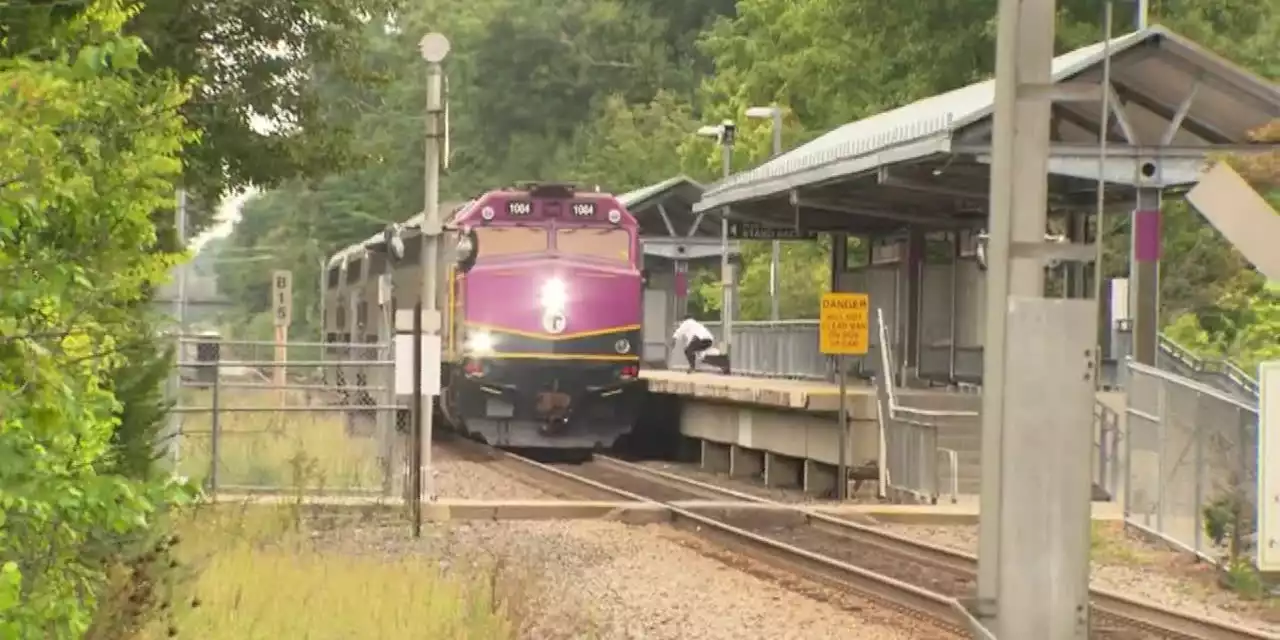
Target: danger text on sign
844, 326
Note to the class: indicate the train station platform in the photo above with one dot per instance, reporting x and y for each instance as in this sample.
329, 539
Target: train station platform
784, 431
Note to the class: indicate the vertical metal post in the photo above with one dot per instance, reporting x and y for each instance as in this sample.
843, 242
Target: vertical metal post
434, 49
954, 311
1162, 422
174, 439
324, 272
1144, 280
726, 272
1140, 16
415, 453
215, 430
1198, 502
842, 473
775, 259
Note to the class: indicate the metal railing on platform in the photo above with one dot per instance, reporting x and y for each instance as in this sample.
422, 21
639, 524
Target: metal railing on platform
909, 450
782, 349
789, 349
1107, 435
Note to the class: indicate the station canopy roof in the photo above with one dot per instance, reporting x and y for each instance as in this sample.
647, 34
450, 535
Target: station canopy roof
1158, 77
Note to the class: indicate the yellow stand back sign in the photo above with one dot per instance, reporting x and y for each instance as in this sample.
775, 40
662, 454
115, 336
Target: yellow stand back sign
844, 324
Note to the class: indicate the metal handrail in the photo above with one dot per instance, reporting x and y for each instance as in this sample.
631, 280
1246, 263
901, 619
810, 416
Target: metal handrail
953, 461
1226, 369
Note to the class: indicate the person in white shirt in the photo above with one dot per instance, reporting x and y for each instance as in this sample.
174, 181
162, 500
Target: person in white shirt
697, 339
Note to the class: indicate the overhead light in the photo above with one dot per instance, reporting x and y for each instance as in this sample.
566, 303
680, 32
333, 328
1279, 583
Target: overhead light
434, 47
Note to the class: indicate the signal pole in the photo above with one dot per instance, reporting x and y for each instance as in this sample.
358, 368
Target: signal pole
434, 48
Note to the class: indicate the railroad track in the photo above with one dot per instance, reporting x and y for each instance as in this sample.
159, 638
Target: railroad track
941, 570
922, 581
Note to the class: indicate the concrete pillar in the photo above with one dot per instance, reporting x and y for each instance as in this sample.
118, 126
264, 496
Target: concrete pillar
782, 471
1144, 275
819, 479
715, 457
913, 274
745, 463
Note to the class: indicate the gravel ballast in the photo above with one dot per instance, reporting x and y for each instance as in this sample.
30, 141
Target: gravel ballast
458, 478
595, 579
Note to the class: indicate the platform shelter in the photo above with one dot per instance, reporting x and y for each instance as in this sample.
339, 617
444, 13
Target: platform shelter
905, 192
674, 238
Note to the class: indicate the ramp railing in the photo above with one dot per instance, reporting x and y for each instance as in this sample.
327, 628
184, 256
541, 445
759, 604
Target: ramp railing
1106, 445
1190, 462
909, 449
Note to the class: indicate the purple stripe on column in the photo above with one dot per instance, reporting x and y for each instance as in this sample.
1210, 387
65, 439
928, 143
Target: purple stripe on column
1146, 235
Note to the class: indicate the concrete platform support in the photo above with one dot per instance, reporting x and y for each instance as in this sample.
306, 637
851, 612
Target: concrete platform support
819, 479
782, 471
715, 457
745, 463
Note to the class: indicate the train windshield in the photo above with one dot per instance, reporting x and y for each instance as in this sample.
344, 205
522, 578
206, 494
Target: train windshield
495, 242
609, 244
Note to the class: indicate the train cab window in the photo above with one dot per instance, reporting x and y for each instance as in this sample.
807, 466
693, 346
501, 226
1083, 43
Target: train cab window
494, 242
594, 242
340, 317
334, 278
354, 271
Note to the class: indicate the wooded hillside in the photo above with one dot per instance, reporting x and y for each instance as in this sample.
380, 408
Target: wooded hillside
608, 92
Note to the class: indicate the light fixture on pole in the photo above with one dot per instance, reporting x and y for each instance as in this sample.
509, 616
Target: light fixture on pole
724, 133
774, 115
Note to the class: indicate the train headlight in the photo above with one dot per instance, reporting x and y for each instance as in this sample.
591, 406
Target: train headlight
615, 216
554, 295
480, 343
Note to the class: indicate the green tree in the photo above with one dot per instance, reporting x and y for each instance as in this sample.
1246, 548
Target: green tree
93, 146
247, 61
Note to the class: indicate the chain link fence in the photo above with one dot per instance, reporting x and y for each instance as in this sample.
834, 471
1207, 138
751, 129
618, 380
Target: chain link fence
315, 418
1190, 462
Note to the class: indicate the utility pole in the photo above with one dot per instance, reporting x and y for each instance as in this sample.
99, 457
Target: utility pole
434, 48
1038, 389
729, 295
774, 114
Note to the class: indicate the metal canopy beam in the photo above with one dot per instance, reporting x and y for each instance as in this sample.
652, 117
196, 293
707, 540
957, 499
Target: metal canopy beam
1200, 130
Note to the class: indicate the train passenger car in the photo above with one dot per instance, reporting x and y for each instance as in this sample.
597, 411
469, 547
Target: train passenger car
541, 292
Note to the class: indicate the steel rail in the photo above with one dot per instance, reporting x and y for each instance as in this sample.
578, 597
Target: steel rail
1112, 606
921, 605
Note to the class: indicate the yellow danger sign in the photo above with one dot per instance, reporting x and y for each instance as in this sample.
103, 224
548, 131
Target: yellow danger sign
844, 324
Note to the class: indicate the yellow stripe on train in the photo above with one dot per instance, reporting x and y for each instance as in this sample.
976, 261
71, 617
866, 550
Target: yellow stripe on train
550, 336
499, 355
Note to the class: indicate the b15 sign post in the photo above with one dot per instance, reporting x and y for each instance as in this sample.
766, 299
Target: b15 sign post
844, 329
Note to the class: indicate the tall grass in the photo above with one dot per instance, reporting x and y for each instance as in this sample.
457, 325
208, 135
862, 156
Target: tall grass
255, 575
288, 450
